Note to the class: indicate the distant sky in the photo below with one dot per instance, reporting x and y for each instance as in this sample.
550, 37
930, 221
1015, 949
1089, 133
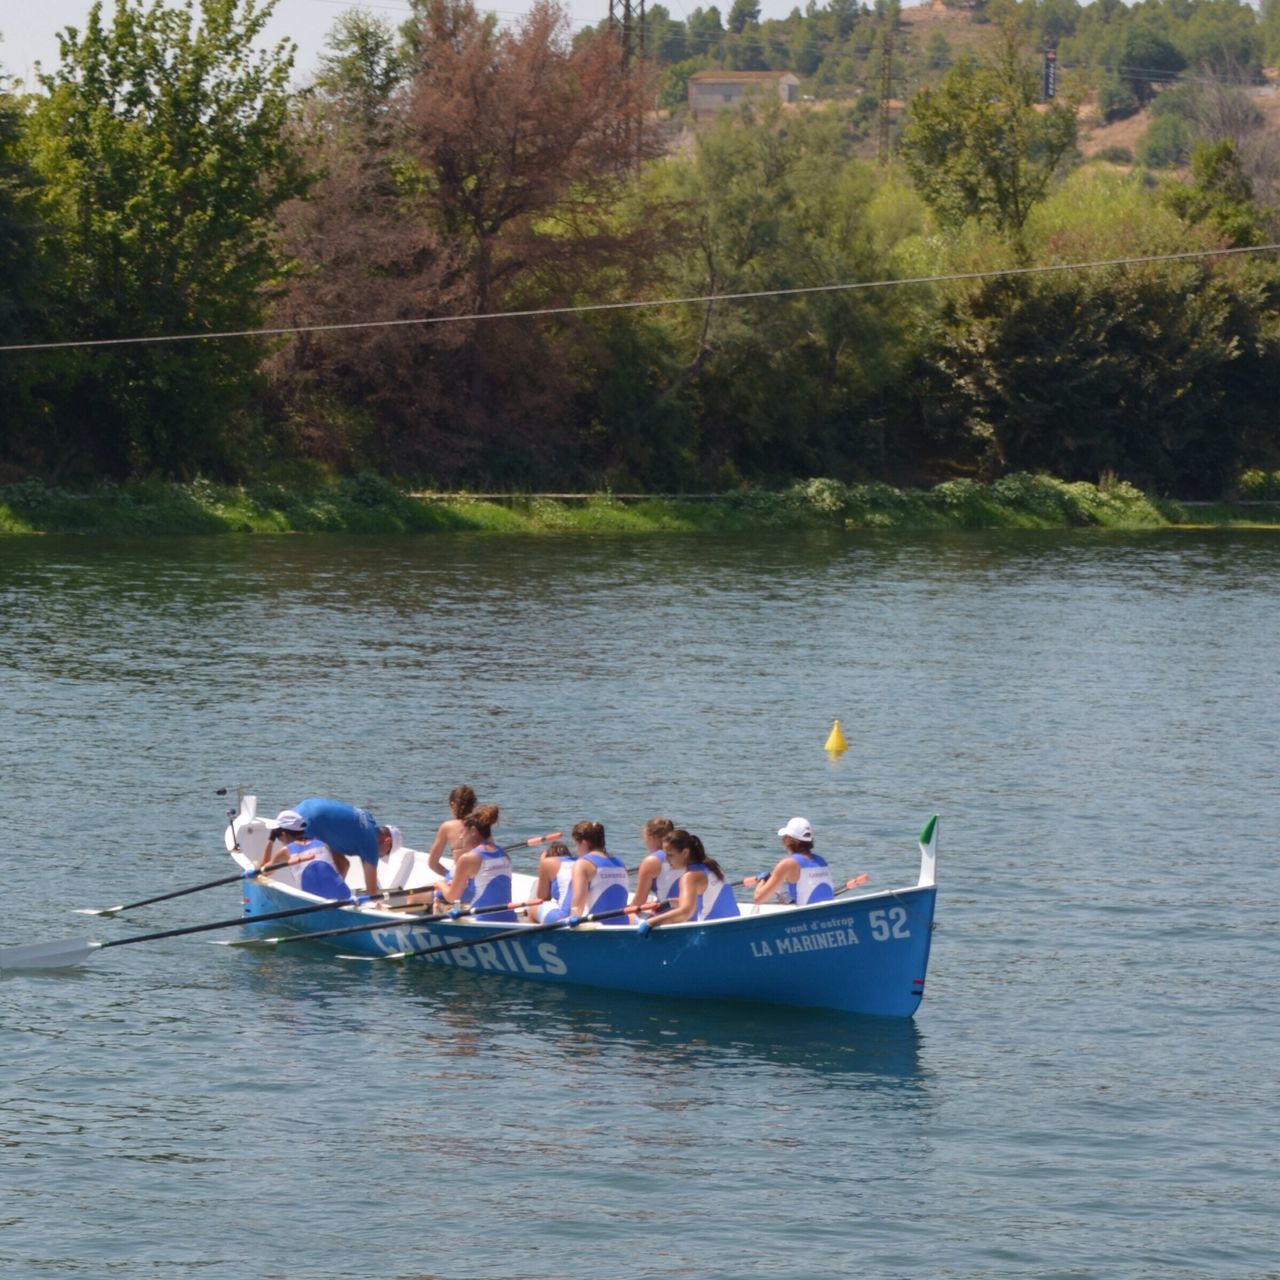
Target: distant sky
29, 27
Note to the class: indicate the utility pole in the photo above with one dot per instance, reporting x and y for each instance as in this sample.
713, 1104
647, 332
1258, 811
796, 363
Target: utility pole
627, 19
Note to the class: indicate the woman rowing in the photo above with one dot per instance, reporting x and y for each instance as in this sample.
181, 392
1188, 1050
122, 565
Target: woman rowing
482, 875
555, 884
452, 833
801, 877
702, 893
655, 875
600, 881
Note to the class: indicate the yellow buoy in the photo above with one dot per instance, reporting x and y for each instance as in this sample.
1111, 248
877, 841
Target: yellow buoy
836, 741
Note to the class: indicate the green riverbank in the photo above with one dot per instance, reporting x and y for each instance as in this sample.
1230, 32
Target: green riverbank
369, 504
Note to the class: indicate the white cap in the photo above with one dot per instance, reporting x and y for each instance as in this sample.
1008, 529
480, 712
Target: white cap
290, 820
798, 829
397, 840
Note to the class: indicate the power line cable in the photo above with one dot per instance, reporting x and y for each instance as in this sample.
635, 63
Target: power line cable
640, 304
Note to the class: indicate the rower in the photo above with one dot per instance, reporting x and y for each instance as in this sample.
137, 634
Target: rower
654, 874
451, 834
555, 884
701, 888
802, 877
482, 875
321, 875
600, 881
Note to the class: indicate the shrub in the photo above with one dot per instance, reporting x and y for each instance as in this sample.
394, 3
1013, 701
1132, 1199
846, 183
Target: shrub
1166, 143
1115, 99
1260, 486
1115, 155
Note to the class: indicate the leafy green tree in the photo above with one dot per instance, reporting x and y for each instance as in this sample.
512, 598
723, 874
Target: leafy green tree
977, 146
1271, 30
1116, 99
937, 52
1143, 58
363, 65
1166, 143
23, 282
665, 38
1158, 375
19, 270
1054, 20
785, 386
743, 14
1221, 195
164, 148
1223, 39
706, 31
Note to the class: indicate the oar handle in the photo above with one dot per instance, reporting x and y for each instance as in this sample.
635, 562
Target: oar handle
852, 884
532, 840
254, 872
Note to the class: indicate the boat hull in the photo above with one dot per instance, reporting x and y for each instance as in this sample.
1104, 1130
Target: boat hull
865, 955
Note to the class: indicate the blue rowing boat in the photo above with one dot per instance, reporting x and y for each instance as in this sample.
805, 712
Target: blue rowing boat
865, 954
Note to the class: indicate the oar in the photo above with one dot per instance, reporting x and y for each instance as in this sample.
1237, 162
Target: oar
521, 845
456, 914
852, 884
525, 931
196, 888
73, 951
849, 884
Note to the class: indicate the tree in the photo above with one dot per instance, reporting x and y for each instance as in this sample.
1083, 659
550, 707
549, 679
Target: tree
165, 154
1166, 143
363, 67
743, 14
18, 264
785, 386
22, 288
937, 52
977, 147
1160, 375
525, 144
1144, 58
1221, 195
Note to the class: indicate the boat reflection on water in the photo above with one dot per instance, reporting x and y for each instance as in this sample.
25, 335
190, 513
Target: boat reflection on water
478, 1015
451, 1016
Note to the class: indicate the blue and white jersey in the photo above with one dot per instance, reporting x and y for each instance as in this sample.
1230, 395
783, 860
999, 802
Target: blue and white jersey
562, 885
815, 883
716, 902
610, 887
491, 884
319, 876
664, 886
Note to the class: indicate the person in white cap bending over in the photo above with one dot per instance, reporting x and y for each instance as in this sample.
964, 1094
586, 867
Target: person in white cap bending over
347, 832
801, 877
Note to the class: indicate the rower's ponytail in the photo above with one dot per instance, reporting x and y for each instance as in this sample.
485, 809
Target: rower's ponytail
461, 801
686, 840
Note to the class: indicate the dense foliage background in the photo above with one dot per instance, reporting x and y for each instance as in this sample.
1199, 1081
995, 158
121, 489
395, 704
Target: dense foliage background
169, 178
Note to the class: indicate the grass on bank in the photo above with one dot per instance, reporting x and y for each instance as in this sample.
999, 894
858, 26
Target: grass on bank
369, 504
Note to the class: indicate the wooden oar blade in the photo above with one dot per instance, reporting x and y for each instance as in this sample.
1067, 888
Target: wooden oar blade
47, 955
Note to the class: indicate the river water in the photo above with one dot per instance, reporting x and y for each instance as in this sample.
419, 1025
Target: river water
1088, 1090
